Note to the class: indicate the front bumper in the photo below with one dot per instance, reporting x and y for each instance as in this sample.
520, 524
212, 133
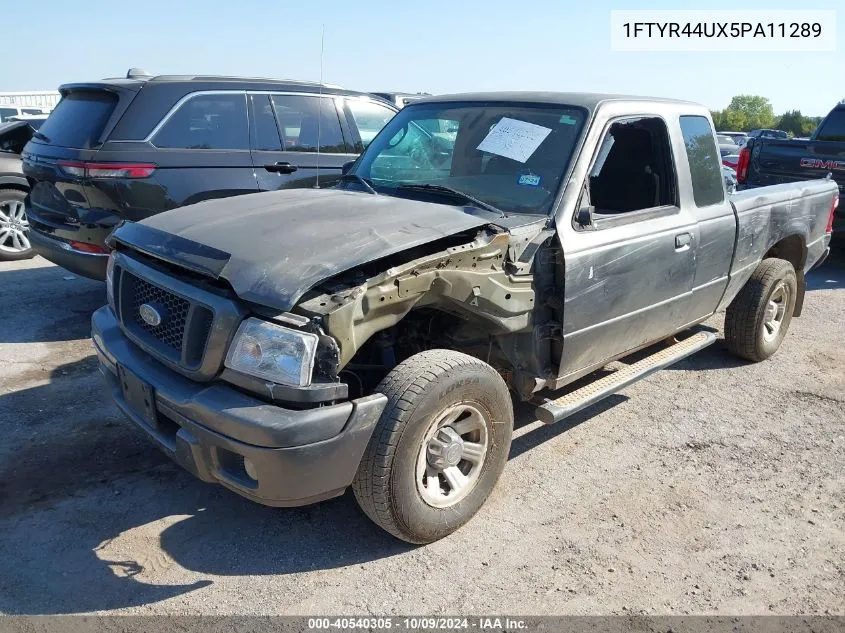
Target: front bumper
294, 457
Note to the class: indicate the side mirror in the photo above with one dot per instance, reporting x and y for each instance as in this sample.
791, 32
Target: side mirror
346, 167
584, 217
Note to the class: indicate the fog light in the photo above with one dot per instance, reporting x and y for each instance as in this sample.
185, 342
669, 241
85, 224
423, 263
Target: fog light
249, 467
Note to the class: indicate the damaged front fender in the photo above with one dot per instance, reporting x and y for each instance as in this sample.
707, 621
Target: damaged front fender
473, 280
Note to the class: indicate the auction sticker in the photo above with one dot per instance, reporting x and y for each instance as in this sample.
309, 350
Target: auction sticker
514, 139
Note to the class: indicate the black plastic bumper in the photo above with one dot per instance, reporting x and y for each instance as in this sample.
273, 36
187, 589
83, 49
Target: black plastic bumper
271, 455
90, 265
839, 218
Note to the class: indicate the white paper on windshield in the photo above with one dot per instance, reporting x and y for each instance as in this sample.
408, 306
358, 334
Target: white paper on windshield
514, 139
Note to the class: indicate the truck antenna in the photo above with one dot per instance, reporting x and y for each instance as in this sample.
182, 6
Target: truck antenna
320, 103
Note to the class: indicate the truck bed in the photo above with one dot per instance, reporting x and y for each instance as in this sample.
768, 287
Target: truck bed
775, 161
768, 215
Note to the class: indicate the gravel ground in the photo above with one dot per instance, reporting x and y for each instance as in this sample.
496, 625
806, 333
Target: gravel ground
713, 487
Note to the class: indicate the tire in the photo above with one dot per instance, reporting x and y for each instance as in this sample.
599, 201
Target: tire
400, 485
767, 298
14, 228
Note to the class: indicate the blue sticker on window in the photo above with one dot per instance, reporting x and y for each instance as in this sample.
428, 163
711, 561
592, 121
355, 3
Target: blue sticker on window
529, 179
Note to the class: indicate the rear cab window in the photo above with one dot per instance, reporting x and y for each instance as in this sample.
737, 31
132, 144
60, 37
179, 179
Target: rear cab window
206, 121
833, 127
79, 119
704, 161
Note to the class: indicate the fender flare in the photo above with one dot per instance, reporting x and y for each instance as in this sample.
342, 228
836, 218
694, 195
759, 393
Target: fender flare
14, 179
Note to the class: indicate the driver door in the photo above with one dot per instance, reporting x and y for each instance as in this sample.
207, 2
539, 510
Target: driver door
630, 268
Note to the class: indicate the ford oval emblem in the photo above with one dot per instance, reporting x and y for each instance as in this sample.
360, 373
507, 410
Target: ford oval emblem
149, 315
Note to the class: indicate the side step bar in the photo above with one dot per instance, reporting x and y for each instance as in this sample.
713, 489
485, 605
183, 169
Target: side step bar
556, 410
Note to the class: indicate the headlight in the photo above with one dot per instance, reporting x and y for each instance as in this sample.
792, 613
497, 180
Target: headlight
273, 352
110, 282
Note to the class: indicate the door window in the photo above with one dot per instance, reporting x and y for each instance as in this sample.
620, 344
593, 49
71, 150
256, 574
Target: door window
633, 168
305, 119
264, 132
705, 164
369, 118
211, 121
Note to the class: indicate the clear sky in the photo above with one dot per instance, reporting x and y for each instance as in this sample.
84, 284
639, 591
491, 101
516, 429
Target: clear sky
405, 45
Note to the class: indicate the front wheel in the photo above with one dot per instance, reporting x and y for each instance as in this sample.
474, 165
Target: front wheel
758, 318
438, 448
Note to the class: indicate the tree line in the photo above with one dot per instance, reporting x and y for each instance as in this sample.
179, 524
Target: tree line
752, 112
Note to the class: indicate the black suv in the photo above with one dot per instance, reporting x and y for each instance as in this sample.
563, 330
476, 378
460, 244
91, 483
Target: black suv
125, 149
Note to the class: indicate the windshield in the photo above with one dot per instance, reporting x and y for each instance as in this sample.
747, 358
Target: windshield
509, 156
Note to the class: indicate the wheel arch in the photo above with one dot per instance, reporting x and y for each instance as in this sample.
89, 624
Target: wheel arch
13, 181
793, 249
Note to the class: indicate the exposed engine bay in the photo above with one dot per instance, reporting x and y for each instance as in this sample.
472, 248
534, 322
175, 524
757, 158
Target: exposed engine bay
476, 296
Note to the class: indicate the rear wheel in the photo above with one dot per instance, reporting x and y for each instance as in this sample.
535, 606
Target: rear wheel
438, 448
14, 227
758, 318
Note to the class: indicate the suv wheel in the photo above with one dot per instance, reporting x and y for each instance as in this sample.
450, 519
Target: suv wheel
438, 448
14, 227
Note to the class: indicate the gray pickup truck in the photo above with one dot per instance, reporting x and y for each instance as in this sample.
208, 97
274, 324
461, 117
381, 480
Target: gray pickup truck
484, 247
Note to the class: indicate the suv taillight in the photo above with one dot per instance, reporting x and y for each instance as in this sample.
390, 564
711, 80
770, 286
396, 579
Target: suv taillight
85, 169
742, 165
833, 206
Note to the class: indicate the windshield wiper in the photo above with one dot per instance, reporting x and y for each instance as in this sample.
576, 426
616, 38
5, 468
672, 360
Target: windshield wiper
359, 180
452, 192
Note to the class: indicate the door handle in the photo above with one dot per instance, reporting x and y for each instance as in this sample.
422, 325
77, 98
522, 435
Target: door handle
682, 241
281, 167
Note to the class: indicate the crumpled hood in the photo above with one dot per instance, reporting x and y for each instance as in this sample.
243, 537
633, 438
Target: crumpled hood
281, 244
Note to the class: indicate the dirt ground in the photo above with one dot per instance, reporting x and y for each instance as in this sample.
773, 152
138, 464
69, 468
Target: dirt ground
713, 487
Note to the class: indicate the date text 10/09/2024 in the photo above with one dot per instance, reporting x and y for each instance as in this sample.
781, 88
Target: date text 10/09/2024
417, 623
723, 29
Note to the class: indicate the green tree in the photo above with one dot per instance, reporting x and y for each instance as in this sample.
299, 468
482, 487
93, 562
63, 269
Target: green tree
716, 115
793, 122
810, 125
735, 120
756, 111
729, 120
